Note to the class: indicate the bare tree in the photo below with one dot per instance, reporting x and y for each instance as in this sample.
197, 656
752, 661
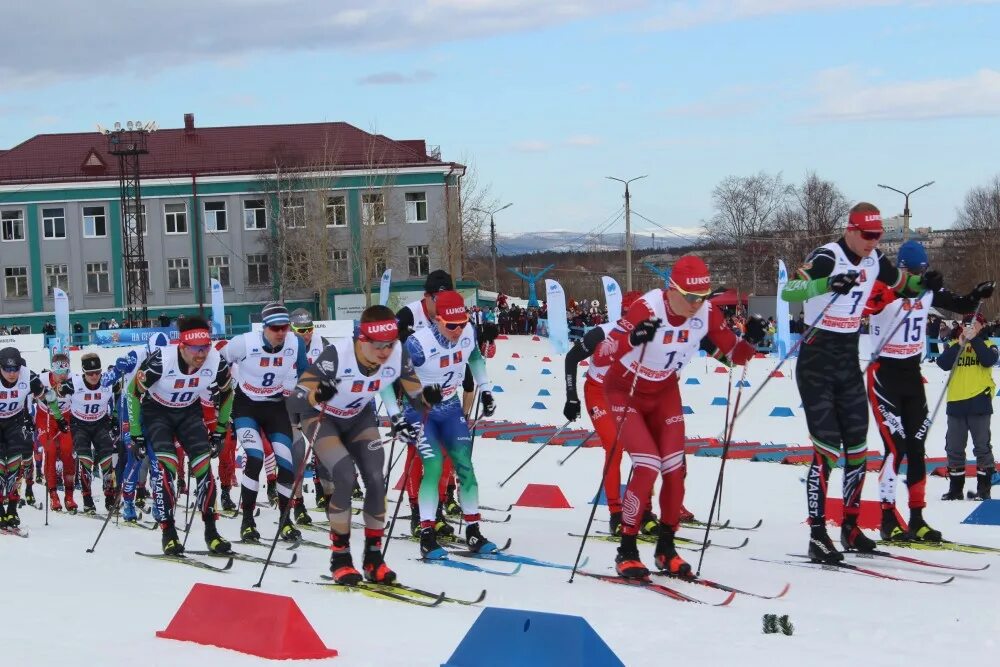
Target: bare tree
974, 253
815, 213
374, 244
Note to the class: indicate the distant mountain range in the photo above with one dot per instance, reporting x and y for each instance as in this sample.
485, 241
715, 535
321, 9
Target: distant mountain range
566, 241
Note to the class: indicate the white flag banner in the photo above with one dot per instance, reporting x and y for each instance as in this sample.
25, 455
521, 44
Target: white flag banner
383, 287
782, 337
612, 297
218, 309
555, 299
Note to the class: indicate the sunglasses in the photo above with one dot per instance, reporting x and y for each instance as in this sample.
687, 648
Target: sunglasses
382, 345
452, 326
198, 349
92, 372
871, 236
691, 297
278, 328
303, 330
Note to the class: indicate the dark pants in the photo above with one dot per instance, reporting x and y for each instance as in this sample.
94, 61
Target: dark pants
161, 425
15, 447
93, 444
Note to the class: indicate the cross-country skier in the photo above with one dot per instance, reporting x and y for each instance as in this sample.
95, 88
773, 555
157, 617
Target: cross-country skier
56, 443
896, 388
304, 328
835, 283
333, 404
644, 353
164, 404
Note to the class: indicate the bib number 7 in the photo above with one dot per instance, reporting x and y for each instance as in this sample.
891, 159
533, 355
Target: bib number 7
856, 296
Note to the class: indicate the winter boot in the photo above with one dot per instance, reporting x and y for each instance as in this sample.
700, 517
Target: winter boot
649, 524
215, 542
477, 542
129, 515
666, 557
984, 482
356, 492
227, 502
70, 502
341, 565
441, 525
890, 530
376, 571
88, 505
321, 498
615, 524
821, 549
287, 530
248, 528
918, 530
627, 562
109, 504
54, 501
169, 541
853, 538
686, 514
415, 520
29, 494
956, 481
429, 547
11, 518
140, 497
272, 492
301, 515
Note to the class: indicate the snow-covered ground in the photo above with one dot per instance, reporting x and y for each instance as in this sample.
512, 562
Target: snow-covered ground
66, 606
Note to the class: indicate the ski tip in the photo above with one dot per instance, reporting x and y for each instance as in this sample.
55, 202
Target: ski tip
228, 565
518, 569
784, 591
480, 597
295, 557
729, 598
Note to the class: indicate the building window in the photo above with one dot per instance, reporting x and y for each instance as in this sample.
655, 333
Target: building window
372, 209
15, 282
130, 217
53, 223
98, 278
377, 262
215, 217
338, 263
95, 222
178, 273
218, 268
296, 268
141, 273
419, 260
293, 212
254, 214
175, 218
416, 207
13, 225
336, 211
258, 270
56, 275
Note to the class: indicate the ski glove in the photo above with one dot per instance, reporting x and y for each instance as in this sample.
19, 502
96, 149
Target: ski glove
756, 330
932, 281
983, 290
138, 447
325, 390
842, 283
432, 394
215, 444
63, 425
643, 332
404, 429
489, 332
571, 411
489, 405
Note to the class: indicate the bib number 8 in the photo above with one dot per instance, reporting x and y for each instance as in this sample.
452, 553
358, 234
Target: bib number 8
267, 380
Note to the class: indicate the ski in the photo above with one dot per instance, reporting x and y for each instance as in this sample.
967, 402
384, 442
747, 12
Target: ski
725, 525
847, 567
724, 587
514, 558
246, 558
374, 592
144, 525
235, 514
916, 561
651, 539
452, 541
14, 531
184, 560
468, 567
267, 545
35, 506
608, 537
403, 589
649, 585
943, 545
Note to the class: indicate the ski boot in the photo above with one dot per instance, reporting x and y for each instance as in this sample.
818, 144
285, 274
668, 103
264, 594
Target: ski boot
109, 504
956, 484
70, 501
376, 571
918, 530
821, 549
627, 563
288, 531
272, 493
140, 497
415, 520
429, 547
341, 566
169, 541
890, 530
54, 502
665, 556
984, 483
11, 518
248, 529
477, 542
649, 524
88, 505
3, 520
441, 525
321, 498
301, 515
215, 542
129, 514
29, 494
686, 515
451, 506
227, 502
357, 493
853, 538
615, 524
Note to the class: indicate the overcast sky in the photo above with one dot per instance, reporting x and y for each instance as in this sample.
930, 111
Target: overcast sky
548, 98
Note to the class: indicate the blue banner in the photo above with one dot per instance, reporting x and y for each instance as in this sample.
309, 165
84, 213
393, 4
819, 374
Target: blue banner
782, 337
130, 336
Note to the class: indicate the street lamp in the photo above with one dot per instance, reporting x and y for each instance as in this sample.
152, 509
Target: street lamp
906, 205
493, 240
628, 231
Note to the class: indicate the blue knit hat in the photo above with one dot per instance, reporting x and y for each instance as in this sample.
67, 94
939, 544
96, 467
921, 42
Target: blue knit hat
274, 314
912, 256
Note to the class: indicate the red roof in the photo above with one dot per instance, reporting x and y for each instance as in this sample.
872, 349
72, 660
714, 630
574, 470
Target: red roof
212, 150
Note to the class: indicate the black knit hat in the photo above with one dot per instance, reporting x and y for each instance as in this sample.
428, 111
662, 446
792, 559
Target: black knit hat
10, 359
438, 281
90, 362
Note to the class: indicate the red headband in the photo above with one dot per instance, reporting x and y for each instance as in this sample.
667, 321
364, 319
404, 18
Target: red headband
382, 331
196, 337
866, 222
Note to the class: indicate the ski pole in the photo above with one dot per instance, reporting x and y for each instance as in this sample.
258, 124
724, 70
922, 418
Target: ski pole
717, 496
107, 520
298, 480
944, 392
392, 449
188, 511
607, 464
536, 452
729, 393
578, 447
402, 489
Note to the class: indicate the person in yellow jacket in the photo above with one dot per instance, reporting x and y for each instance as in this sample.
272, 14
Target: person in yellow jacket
970, 405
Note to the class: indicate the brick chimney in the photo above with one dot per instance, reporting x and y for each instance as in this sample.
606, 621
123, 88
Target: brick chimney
189, 123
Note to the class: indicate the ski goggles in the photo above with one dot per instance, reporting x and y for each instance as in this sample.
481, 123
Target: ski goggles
198, 349
691, 297
304, 329
382, 344
278, 328
870, 236
452, 326
60, 367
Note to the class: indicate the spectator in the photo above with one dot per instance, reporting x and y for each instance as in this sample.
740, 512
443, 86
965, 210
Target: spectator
49, 329
164, 320
4, 331
103, 324
113, 324
15, 330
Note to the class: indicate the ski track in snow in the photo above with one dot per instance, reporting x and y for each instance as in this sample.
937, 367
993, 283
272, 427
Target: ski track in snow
64, 602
